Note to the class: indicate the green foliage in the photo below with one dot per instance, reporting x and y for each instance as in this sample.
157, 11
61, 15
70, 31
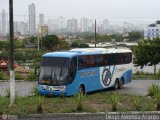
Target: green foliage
32, 76
18, 76
29, 40
34, 91
117, 37
137, 103
39, 103
4, 76
135, 36
83, 45
19, 44
79, 99
4, 45
114, 101
20, 56
105, 38
157, 97
50, 42
153, 89
74, 45
148, 53
4, 55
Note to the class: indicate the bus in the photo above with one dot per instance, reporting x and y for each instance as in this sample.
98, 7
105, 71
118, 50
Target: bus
86, 70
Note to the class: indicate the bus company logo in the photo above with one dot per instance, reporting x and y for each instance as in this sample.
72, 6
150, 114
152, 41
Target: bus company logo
88, 74
106, 77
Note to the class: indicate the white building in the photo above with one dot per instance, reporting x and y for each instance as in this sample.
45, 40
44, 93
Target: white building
84, 24
72, 25
32, 19
4, 22
105, 24
152, 30
41, 20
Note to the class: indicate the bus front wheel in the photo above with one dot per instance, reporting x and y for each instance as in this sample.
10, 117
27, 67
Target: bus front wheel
82, 89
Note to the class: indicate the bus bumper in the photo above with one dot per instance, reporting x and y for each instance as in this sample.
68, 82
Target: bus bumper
52, 93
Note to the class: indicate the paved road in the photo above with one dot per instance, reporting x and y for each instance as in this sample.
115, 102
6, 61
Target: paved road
136, 87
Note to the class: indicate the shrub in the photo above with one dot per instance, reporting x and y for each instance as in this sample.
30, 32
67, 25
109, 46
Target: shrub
137, 103
114, 101
18, 76
154, 88
39, 103
3, 76
79, 99
32, 76
34, 91
157, 97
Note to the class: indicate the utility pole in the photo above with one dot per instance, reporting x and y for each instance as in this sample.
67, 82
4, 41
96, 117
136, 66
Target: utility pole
11, 54
95, 36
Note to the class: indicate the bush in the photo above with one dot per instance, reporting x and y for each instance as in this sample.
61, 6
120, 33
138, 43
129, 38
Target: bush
18, 76
157, 97
158, 74
39, 103
32, 76
34, 91
154, 88
114, 101
79, 99
3, 76
137, 103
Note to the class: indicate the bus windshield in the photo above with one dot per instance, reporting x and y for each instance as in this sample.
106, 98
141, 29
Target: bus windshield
54, 71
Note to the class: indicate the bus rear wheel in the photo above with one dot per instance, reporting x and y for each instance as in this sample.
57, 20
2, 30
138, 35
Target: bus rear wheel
116, 84
121, 83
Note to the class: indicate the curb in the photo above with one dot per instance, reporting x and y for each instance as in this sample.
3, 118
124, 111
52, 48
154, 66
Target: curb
85, 114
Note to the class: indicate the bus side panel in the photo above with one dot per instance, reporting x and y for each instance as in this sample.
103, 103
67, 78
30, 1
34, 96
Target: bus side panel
127, 76
87, 77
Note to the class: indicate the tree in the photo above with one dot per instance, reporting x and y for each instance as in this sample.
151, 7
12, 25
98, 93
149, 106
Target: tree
83, 45
106, 38
4, 45
148, 53
135, 35
74, 45
50, 41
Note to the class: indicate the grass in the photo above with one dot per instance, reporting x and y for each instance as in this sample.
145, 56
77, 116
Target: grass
96, 102
146, 76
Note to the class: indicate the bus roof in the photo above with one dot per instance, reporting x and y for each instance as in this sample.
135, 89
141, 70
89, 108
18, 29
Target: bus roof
85, 51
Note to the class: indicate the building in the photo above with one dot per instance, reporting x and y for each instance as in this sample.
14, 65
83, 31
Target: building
32, 20
4, 22
41, 20
84, 24
152, 30
105, 24
23, 28
0, 25
72, 25
42, 30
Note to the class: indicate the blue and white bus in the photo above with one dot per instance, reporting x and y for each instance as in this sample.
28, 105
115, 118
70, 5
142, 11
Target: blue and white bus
86, 70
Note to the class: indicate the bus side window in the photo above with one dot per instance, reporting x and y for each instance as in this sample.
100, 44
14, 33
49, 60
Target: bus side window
73, 68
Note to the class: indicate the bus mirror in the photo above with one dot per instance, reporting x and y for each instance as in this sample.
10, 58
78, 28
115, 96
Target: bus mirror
37, 71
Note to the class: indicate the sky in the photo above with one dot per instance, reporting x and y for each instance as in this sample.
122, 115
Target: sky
99, 9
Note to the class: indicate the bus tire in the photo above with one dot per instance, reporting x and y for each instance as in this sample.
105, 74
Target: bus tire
82, 89
121, 83
116, 84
